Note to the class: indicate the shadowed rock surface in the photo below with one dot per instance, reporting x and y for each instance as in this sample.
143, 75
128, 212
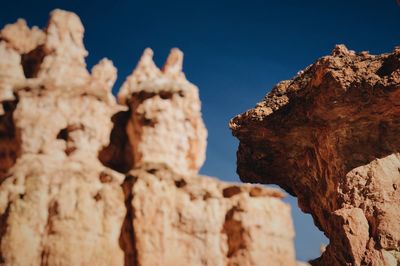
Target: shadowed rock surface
329, 137
87, 181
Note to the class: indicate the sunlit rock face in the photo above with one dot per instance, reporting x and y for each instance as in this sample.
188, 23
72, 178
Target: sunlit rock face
330, 137
55, 207
198, 220
165, 124
181, 218
85, 180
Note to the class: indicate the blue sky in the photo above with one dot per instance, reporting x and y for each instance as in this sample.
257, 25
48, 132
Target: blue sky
235, 51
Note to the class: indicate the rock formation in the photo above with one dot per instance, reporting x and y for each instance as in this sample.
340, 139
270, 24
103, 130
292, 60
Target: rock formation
165, 124
181, 218
87, 181
329, 137
196, 220
54, 203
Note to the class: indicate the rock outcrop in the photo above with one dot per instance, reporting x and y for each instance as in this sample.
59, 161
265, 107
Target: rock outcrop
165, 124
55, 207
329, 137
180, 218
197, 220
87, 181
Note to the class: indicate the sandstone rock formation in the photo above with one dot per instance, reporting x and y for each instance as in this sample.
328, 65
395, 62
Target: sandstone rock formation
196, 220
329, 136
86, 181
181, 218
165, 124
55, 207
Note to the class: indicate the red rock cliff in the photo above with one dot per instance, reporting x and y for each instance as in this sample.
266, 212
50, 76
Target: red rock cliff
329, 136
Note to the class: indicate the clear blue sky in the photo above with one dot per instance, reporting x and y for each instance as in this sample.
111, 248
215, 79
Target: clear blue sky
235, 51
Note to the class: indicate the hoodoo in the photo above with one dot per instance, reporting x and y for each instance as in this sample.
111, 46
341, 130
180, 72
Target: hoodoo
85, 180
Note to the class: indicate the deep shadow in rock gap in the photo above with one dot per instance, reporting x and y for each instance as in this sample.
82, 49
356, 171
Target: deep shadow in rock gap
118, 154
10, 139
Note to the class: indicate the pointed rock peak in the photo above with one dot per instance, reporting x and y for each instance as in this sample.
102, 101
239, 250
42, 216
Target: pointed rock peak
146, 68
64, 53
21, 22
156, 79
147, 57
174, 63
341, 50
65, 34
104, 73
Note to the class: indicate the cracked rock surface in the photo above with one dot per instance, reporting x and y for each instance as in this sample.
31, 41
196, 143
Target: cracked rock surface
329, 137
87, 181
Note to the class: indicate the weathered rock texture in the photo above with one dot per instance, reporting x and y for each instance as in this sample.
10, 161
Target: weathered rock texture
330, 137
197, 220
180, 218
85, 181
165, 124
56, 208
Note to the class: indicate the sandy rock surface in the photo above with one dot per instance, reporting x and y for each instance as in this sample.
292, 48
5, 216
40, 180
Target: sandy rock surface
198, 220
165, 124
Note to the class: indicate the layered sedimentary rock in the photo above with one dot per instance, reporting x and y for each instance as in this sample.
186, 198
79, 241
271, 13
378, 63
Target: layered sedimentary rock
165, 124
180, 218
56, 207
197, 220
330, 137
86, 181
